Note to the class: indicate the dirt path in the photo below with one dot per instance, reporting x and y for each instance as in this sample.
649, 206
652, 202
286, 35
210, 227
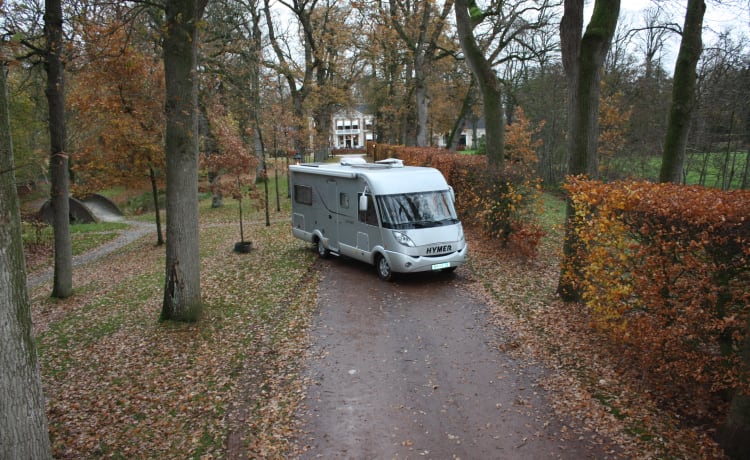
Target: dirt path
408, 370
135, 231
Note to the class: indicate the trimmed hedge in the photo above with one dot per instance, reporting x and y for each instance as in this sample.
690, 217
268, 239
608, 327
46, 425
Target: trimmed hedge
667, 277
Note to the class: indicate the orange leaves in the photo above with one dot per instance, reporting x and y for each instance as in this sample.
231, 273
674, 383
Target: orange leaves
665, 266
117, 96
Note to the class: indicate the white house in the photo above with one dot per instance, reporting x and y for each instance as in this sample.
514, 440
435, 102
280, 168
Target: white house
352, 128
471, 134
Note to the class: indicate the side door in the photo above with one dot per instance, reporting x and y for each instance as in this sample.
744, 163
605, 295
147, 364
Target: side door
332, 215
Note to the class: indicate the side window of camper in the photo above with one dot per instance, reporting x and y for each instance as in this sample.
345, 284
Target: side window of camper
303, 194
369, 216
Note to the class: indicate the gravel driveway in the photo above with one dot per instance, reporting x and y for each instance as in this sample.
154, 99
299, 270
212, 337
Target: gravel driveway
408, 369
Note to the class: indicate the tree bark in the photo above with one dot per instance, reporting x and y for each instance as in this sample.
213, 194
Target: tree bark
182, 294
683, 93
489, 85
22, 413
584, 78
62, 285
735, 432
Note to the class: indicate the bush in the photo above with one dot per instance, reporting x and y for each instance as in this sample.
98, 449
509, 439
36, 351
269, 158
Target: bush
667, 278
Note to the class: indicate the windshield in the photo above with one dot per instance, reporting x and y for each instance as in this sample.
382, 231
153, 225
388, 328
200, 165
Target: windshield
417, 210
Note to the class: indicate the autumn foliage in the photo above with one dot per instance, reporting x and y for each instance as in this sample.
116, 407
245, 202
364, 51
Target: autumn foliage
117, 99
667, 278
503, 201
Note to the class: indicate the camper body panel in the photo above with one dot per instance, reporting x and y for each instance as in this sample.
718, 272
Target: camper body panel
326, 211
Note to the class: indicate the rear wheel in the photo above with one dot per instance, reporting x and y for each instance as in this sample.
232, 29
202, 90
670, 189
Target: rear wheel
383, 268
323, 252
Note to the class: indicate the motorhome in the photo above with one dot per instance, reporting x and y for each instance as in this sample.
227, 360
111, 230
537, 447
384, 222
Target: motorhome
401, 219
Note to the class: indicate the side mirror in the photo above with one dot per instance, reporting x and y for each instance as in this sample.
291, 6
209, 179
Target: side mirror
452, 193
363, 202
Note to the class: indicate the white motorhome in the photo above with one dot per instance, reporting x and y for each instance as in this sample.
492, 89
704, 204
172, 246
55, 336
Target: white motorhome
398, 218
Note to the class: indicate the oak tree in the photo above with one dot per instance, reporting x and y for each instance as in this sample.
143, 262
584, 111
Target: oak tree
583, 58
22, 412
182, 294
683, 93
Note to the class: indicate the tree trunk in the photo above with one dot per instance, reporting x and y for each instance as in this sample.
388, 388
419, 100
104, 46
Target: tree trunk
423, 108
683, 93
62, 286
488, 83
734, 434
182, 294
22, 413
583, 105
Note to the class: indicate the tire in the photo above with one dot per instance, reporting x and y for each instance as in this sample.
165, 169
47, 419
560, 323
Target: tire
323, 252
383, 268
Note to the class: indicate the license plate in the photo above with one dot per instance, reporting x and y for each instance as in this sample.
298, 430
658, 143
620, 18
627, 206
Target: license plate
441, 266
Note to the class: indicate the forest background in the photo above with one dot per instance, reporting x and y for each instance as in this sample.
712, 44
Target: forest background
399, 58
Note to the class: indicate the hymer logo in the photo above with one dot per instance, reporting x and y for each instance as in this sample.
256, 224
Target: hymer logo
438, 249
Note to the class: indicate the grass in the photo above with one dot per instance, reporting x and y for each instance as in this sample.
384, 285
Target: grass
648, 168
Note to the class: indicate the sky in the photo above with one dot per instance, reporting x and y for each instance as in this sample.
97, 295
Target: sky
720, 16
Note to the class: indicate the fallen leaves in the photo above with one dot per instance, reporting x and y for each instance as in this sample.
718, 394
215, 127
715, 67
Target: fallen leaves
585, 389
120, 384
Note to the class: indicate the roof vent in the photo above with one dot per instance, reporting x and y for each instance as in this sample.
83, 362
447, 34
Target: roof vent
350, 161
392, 162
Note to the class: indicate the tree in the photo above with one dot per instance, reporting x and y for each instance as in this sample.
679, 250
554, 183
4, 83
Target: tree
117, 95
420, 28
59, 175
484, 74
231, 160
511, 25
182, 294
583, 58
22, 412
683, 93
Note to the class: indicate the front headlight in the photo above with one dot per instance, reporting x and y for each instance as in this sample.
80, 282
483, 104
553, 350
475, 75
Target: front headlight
460, 232
403, 238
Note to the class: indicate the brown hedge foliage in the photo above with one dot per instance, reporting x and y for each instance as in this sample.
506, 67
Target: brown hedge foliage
503, 201
667, 277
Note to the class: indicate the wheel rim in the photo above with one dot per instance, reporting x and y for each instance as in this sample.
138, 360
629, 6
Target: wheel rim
383, 268
322, 251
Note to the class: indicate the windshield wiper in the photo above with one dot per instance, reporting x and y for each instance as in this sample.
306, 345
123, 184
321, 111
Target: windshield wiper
427, 223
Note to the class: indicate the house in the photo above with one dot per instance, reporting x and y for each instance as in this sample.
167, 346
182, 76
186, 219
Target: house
353, 128
470, 137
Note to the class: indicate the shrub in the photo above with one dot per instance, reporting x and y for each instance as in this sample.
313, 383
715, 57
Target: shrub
667, 277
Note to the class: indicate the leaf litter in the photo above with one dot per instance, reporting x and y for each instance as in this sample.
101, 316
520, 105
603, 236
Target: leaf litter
120, 384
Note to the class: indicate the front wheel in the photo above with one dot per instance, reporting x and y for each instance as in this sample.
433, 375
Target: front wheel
383, 268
